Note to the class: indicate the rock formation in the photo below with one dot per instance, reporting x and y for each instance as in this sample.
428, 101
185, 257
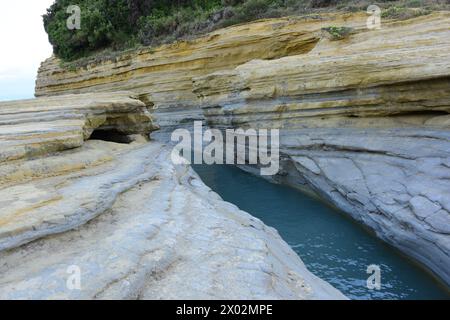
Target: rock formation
162, 77
38, 126
365, 119
364, 124
132, 224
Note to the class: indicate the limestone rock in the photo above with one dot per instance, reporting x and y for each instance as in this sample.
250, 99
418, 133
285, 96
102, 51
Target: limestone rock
367, 117
36, 127
133, 224
162, 76
364, 121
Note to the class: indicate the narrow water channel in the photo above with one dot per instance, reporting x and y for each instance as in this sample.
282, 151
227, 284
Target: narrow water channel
332, 246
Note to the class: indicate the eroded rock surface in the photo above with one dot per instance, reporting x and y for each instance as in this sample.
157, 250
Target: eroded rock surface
163, 76
365, 120
132, 223
38, 126
364, 124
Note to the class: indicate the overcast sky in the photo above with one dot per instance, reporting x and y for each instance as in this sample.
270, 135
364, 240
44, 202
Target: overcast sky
24, 44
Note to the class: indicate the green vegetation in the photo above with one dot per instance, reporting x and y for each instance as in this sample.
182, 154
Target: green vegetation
104, 23
338, 33
109, 26
403, 13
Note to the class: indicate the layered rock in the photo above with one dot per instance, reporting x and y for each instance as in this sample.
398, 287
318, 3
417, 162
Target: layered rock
163, 76
364, 120
364, 124
132, 224
39, 126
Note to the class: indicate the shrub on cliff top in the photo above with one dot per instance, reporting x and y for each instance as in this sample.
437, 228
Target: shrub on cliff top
105, 23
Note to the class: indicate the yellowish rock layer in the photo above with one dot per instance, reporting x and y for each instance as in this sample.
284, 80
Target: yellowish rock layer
162, 77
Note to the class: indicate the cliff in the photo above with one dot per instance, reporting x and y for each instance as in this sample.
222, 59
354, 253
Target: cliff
364, 124
134, 225
364, 120
162, 76
118, 212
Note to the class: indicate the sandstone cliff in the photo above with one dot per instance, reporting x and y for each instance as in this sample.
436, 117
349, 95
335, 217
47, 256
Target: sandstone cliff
365, 124
364, 120
134, 225
163, 76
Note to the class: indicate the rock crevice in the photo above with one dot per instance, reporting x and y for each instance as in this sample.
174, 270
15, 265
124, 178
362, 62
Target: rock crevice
122, 215
364, 121
364, 124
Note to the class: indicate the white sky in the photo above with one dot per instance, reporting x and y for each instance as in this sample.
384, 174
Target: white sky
24, 44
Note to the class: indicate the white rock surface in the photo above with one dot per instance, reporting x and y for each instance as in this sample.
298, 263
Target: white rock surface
156, 232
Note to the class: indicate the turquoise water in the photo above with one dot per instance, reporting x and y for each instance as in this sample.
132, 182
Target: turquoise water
333, 247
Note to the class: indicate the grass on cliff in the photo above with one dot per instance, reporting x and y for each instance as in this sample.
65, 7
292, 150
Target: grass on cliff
110, 27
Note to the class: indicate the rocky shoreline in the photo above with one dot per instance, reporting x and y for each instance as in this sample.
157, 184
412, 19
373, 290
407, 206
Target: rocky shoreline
373, 139
364, 120
134, 225
364, 125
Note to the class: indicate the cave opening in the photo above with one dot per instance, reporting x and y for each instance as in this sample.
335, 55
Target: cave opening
110, 135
